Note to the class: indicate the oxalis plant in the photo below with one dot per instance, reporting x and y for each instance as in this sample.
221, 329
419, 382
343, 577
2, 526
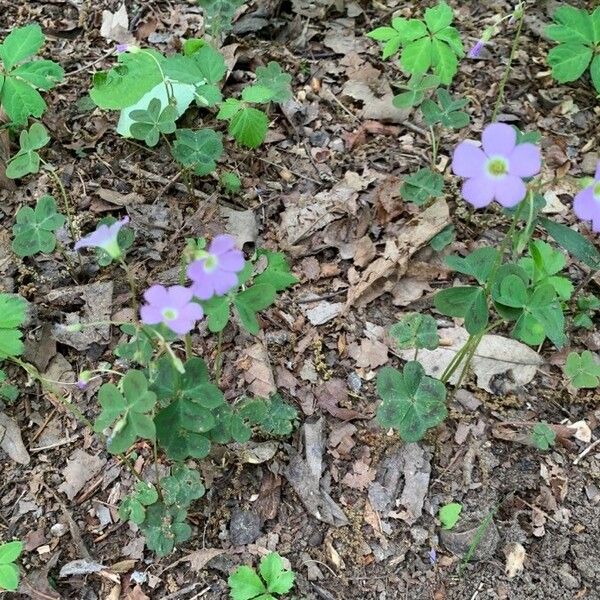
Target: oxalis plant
161, 395
153, 91
521, 286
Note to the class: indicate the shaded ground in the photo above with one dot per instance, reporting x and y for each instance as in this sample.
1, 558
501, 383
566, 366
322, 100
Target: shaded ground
339, 148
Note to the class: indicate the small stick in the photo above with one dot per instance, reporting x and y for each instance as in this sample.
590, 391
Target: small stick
586, 452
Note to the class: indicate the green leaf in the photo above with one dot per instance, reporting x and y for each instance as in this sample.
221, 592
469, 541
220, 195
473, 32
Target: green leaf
444, 238
573, 242
21, 43
229, 109
217, 312
438, 17
449, 514
139, 347
569, 61
12, 315
422, 186
125, 84
467, 302
10, 551
583, 370
478, 264
127, 411
417, 86
451, 36
416, 331
274, 416
275, 80
249, 127
41, 74
165, 527
198, 149
219, 14
417, 56
27, 160
444, 61
231, 182
148, 124
572, 25
20, 100
447, 112
595, 72
211, 64
181, 429
133, 506
34, 229
182, 487
9, 577
412, 402
277, 272
250, 301
245, 584
543, 436
278, 579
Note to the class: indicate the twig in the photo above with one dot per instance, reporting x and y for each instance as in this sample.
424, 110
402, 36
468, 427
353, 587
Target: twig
585, 452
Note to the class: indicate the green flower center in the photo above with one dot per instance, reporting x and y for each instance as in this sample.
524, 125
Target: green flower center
112, 248
497, 167
211, 262
596, 191
169, 314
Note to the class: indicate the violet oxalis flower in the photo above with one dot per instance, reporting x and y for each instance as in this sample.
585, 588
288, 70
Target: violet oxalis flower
83, 380
475, 51
171, 306
122, 48
215, 271
104, 237
496, 171
587, 202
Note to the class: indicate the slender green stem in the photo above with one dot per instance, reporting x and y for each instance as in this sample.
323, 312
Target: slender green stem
156, 473
218, 361
65, 197
513, 54
132, 287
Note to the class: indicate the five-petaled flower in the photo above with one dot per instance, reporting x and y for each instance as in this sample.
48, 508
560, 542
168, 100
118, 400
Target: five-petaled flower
496, 172
587, 202
172, 306
215, 270
105, 237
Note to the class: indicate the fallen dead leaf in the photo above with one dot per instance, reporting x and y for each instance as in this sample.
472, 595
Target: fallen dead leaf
323, 311
115, 26
241, 224
81, 467
370, 354
332, 396
257, 371
382, 275
495, 355
11, 441
515, 557
200, 558
360, 477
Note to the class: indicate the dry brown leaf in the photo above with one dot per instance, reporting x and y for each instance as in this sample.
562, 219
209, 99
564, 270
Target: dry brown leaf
200, 558
332, 396
257, 371
360, 477
115, 26
370, 354
383, 274
11, 441
81, 467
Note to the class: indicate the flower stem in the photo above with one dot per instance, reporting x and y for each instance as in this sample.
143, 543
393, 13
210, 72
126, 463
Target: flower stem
218, 359
65, 197
513, 54
132, 287
434, 147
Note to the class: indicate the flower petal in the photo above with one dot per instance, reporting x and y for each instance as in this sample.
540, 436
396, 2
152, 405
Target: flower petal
510, 190
585, 205
157, 295
225, 282
525, 160
468, 160
192, 311
150, 315
499, 139
179, 296
233, 260
478, 191
221, 244
597, 176
181, 325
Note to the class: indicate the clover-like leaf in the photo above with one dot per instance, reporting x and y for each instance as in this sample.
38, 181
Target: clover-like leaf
416, 331
27, 159
277, 272
542, 266
133, 506
583, 370
126, 411
219, 14
249, 301
449, 514
543, 436
412, 402
34, 229
444, 238
478, 264
417, 87
13, 310
273, 415
279, 580
245, 583
9, 572
182, 486
468, 302
138, 348
198, 150
272, 85
422, 186
447, 111
165, 527
149, 123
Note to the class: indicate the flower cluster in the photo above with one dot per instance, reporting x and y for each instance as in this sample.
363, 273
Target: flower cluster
213, 273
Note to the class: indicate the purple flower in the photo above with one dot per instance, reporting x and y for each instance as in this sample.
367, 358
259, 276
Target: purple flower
215, 271
172, 306
475, 51
587, 202
104, 237
83, 379
432, 556
496, 172
122, 48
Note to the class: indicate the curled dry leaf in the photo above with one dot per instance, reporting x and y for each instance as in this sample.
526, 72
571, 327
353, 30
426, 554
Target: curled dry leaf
11, 441
257, 371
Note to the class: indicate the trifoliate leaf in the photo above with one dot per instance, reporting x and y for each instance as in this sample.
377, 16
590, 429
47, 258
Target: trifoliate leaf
249, 127
422, 186
12, 315
34, 229
416, 331
583, 370
198, 150
449, 514
148, 124
543, 436
27, 160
